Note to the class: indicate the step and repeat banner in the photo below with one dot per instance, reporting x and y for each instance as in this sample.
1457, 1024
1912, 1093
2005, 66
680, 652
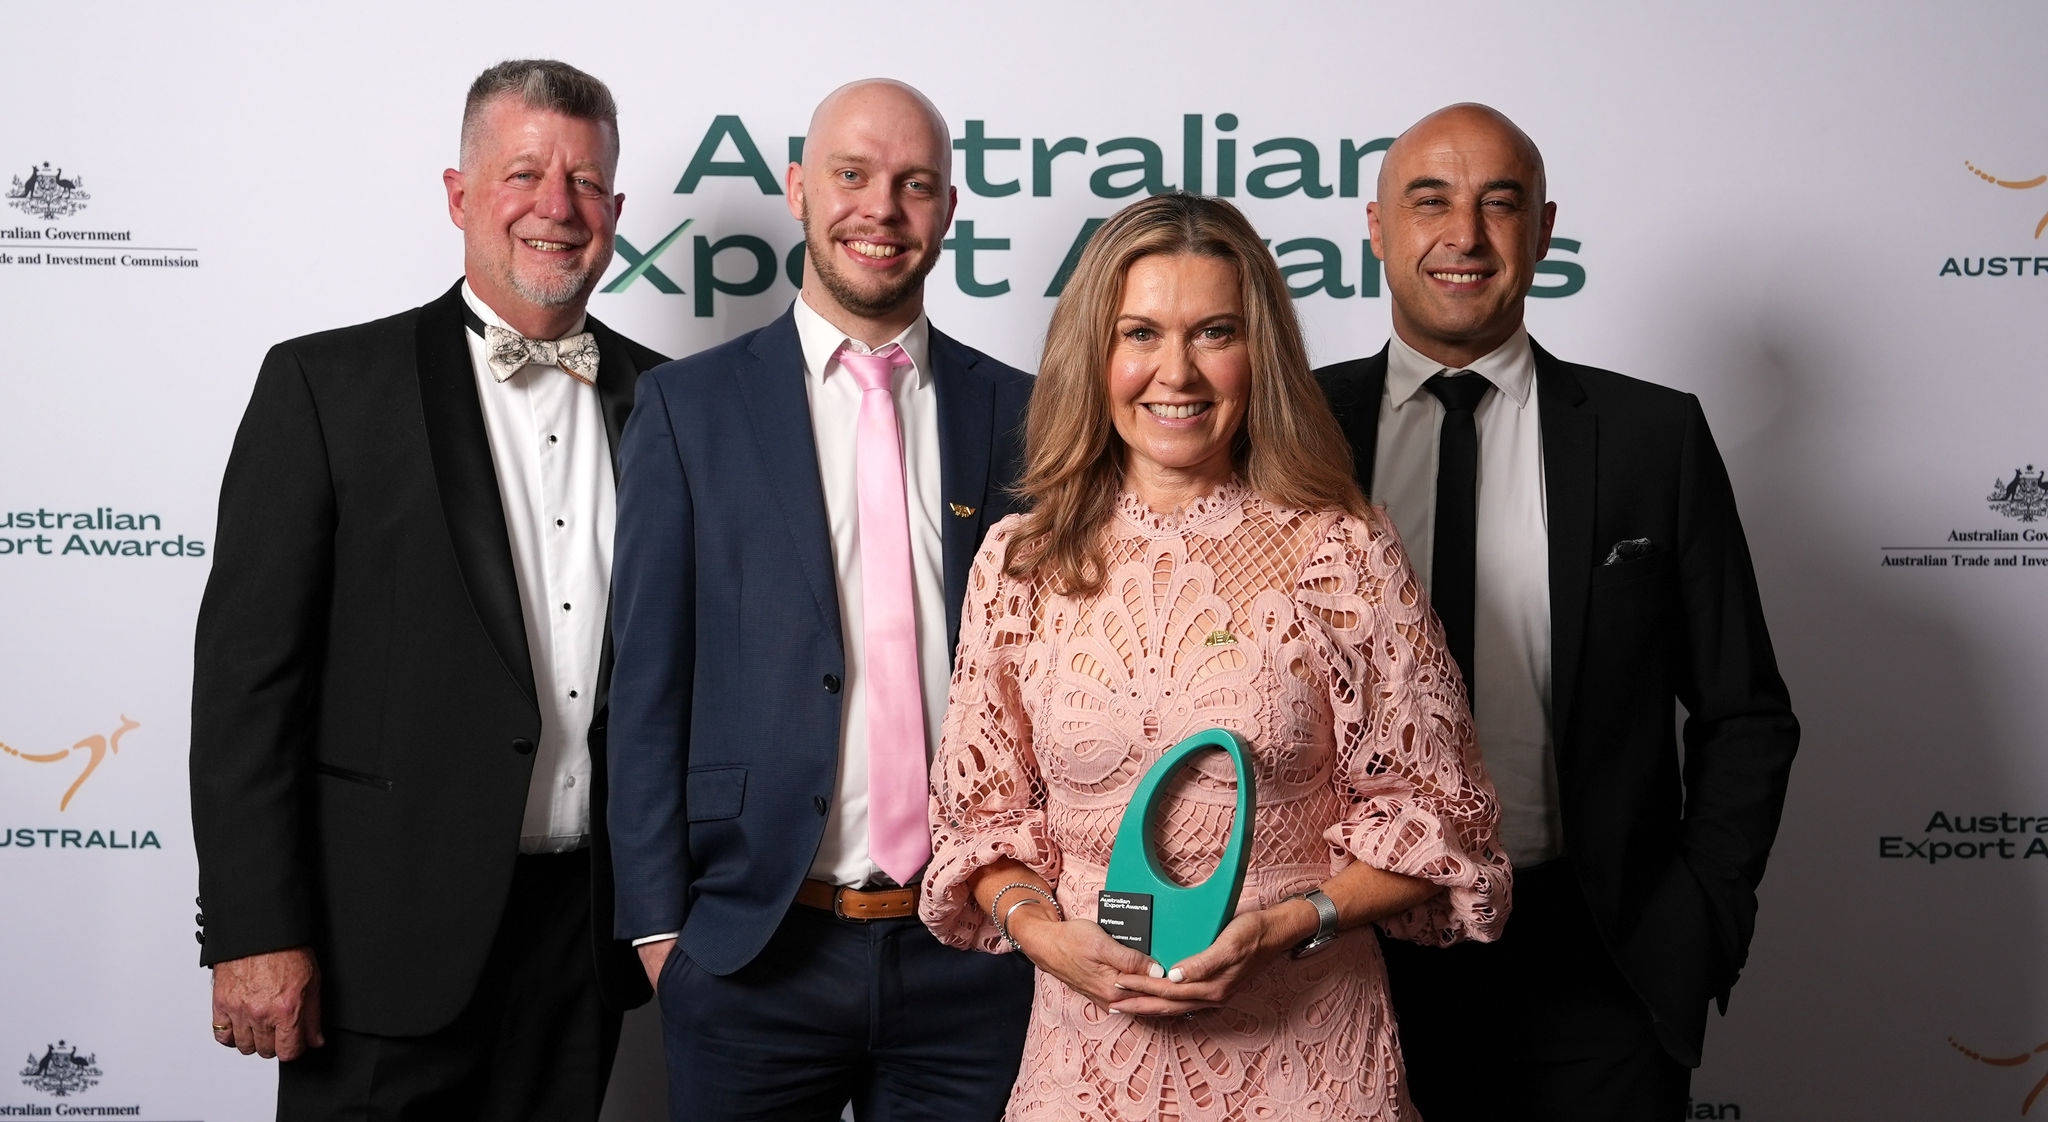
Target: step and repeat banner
1827, 220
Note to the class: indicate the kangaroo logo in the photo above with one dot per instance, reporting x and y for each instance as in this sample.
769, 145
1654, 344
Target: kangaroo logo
48, 194
96, 748
2024, 496
2009, 1061
2014, 184
63, 1072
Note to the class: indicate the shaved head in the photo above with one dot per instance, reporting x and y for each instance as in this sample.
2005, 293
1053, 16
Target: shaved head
1460, 221
885, 95
1463, 120
874, 192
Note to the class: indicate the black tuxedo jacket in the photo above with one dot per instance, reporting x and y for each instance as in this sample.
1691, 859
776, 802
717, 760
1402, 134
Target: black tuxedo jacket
1669, 847
727, 702
363, 713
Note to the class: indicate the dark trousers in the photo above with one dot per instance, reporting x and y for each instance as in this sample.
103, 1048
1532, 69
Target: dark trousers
1539, 1025
879, 1014
534, 1042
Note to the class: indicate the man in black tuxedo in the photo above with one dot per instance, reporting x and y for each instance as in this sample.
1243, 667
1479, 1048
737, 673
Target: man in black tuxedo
1582, 547
398, 716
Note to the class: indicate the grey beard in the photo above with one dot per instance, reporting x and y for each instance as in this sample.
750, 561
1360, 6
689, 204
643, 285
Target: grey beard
557, 291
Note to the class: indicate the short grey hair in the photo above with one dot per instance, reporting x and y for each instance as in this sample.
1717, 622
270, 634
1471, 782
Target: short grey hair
539, 83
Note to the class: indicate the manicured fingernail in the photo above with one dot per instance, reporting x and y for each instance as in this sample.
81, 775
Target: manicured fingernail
1155, 971
1175, 975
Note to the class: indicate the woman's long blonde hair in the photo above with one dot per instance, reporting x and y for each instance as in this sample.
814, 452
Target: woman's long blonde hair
1289, 449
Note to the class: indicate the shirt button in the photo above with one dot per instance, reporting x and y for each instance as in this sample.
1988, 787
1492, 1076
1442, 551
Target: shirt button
565, 607
572, 693
569, 782
522, 746
819, 802
552, 438
831, 683
558, 522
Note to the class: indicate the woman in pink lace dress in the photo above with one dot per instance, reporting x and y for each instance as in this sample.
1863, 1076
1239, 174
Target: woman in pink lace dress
1197, 556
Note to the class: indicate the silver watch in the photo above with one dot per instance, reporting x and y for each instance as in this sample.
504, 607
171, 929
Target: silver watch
1326, 922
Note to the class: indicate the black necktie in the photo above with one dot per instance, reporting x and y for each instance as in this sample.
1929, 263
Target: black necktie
1457, 512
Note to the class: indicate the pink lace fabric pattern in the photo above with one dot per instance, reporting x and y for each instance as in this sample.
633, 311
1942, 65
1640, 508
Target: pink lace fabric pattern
1306, 634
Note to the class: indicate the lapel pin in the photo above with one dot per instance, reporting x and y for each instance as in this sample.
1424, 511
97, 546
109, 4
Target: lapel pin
961, 511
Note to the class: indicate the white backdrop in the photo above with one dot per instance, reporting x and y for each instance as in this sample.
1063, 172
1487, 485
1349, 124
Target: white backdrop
1765, 204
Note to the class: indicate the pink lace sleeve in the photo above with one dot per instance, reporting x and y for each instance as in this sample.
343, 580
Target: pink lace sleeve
988, 798
1407, 763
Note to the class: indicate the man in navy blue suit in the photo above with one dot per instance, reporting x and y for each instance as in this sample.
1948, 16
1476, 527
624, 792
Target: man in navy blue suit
798, 511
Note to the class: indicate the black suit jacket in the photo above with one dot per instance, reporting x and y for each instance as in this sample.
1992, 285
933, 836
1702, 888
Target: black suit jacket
363, 713
727, 703
1668, 847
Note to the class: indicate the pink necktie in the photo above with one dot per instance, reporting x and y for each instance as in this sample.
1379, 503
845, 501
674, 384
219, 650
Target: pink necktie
899, 831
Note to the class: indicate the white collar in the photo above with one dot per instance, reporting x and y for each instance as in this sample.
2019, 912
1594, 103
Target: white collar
1511, 367
821, 342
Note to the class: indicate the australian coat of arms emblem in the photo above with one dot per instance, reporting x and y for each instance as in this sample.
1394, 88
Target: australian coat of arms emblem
2024, 496
61, 1070
47, 193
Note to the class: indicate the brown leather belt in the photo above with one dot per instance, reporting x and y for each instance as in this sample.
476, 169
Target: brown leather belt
855, 904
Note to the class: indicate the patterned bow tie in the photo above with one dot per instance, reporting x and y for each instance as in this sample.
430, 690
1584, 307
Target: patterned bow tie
508, 351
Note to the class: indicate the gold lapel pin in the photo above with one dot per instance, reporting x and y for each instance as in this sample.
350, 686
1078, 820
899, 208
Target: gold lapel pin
1218, 638
961, 511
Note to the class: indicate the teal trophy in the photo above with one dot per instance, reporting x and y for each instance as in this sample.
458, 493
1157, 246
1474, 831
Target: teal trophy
1142, 909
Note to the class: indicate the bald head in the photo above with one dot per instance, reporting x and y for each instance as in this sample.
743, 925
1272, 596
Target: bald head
875, 195
1460, 222
883, 98
1466, 126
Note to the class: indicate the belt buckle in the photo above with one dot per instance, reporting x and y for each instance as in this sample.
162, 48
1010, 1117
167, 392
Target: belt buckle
839, 905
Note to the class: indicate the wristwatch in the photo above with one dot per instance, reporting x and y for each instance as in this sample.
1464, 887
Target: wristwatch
1326, 922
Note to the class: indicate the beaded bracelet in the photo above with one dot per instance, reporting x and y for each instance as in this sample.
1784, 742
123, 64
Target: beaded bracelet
996, 902
1002, 921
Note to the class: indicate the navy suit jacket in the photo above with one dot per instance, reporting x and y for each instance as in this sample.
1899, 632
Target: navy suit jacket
726, 699
1669, 849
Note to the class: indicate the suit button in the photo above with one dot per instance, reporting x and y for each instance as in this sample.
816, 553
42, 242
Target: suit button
200, 919
819, 802
201, 936
831, 683
522, 746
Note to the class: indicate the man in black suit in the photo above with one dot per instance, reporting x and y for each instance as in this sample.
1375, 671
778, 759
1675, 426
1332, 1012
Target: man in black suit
785, 637
398, 717
1582, 546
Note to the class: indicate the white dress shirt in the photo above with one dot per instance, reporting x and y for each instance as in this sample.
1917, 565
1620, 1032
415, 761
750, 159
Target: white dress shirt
835, 419
1511, 587
554, 471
